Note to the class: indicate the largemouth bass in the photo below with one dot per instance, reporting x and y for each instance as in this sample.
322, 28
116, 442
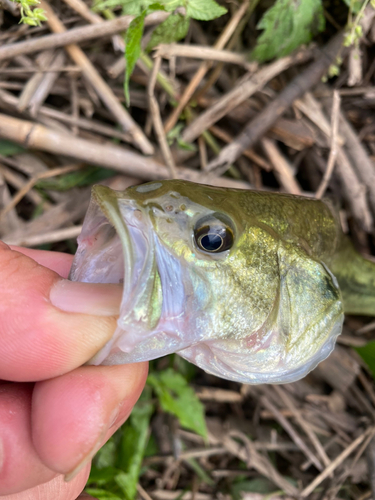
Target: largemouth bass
250, 286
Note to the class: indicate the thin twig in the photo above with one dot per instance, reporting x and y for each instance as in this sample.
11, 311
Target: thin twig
334, 147
335, 463
203, 68
32, 135
202, 52
303, 423
245, 89
281, 166
101, 87
34, 240
292, 432
29, 185
76, 35
157, 121
257, 127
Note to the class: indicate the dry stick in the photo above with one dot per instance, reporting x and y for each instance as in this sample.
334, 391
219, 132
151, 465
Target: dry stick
257, 461
49, 79
249, 153
257, 127
157, 121
359, 158
43, 60
202, 52
76, 35
101, 87
281, 167
333, 151
31, 183
51, 237
312, 109
17, 181
354, 192
203, 68
32, 135
239, 94
292, 432
82, 9
335, 463
84, 123
303, 424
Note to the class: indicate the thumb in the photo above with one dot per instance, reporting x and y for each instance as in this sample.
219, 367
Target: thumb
49, 326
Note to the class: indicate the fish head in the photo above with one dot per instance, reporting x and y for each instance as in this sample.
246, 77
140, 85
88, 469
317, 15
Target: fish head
205, 279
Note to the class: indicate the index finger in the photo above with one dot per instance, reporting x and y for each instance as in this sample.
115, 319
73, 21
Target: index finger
40, 338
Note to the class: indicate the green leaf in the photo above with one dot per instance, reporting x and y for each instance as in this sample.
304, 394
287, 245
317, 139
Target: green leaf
84, 177
133, 446
367, 353
176, 397
8, 148
354, 5
287, 25
102, 494
173, 29
133, 39
204, 10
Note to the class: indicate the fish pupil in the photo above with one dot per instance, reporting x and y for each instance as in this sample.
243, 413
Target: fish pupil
211, 242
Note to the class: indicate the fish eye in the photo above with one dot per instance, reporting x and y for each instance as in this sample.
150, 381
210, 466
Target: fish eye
213, 235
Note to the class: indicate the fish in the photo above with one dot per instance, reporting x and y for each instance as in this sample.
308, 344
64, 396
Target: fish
249, 286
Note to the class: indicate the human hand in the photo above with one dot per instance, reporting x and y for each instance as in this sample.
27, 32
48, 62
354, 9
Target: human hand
54, 412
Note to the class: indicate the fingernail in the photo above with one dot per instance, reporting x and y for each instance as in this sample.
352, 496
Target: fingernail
86, 459
98, 299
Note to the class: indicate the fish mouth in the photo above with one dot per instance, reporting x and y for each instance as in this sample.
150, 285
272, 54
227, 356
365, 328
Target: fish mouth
118, 244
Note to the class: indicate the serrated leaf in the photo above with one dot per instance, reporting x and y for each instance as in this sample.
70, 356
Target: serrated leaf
173, 29
367, 353
204, 10
176, 397
133, 39
287, 25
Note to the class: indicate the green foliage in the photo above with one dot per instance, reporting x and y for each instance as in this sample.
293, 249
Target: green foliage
367, 353
117, 466
176, 397
203, 10
259, 485
8, 148
171, 30
174, 28
133, 39
31, 16
354, 31
85, 177
287, 25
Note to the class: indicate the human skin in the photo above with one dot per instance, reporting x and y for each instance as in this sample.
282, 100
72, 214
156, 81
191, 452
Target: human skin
54, 412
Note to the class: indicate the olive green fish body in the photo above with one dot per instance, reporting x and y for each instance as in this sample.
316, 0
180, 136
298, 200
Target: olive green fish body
246, 285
